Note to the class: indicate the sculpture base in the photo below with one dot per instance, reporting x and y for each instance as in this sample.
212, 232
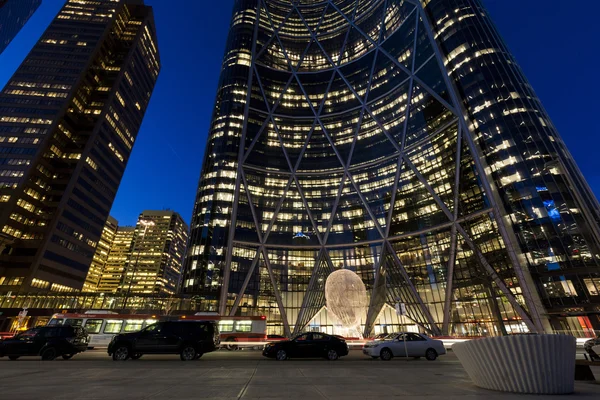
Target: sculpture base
537, 364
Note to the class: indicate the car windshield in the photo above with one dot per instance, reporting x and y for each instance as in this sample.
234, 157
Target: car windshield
28, 333
154, 328
386, 336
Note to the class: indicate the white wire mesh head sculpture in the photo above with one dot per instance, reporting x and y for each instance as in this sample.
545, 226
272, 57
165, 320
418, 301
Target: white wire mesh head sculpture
346, 297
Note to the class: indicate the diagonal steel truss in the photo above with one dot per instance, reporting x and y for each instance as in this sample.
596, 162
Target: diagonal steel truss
392, 281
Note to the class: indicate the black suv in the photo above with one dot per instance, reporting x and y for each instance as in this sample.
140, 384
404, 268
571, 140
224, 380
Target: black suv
49, 342
189, 339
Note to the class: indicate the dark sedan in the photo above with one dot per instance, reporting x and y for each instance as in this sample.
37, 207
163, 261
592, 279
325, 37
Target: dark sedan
308, 345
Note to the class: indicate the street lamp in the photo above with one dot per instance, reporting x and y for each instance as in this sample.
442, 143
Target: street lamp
146, 224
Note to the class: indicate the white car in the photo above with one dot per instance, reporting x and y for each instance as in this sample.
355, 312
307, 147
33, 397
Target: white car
399, 344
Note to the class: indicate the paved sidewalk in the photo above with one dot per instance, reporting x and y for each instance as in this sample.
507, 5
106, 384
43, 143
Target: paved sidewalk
246, 375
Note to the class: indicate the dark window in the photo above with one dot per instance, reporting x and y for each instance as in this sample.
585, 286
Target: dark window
50, 332
49, 255
74, 321
413, 337
320, 337
304, 337
171, 329
65, 331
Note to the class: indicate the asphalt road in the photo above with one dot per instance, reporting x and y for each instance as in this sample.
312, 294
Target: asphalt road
244, 374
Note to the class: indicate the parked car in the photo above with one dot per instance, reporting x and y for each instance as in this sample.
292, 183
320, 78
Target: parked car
591, 346
189, 339
307, 345
399, 344
49, 342
381, 336
276, 337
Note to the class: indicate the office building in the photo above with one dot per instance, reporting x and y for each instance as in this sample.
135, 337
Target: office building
14, 14
116, 263
349, 134
69, 118
551, 214
155, 262
98, 266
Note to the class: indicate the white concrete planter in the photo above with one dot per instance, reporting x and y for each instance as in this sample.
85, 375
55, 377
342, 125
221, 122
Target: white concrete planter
540, 364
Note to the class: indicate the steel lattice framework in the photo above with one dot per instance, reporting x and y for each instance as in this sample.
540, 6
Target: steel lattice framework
348, 106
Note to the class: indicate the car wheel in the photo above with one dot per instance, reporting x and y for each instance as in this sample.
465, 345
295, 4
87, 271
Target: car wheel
13, 358
281, 355
431, 354
332, 355
386, 354
121, 353
67, 356
49, 354
136, 356
188, 353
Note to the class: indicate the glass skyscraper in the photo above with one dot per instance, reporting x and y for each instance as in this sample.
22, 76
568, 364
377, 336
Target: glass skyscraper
69, 118
344, 137
14, 14
552, 214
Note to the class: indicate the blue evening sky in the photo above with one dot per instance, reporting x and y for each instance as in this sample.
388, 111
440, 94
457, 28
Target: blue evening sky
554, 43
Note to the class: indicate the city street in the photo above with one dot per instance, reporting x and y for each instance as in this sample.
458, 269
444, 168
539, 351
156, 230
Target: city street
244, 375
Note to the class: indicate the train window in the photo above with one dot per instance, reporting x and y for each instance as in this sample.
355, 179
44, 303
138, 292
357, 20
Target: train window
133, 325
55, 321
150, 322
243, 326
226, 326
74, 321
93, 325
113, 326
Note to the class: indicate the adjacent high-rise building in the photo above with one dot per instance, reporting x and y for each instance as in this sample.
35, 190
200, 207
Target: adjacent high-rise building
69, 118
397, 139
142, 259
100, 259
551, 214
155, 261
118, 258
14, 14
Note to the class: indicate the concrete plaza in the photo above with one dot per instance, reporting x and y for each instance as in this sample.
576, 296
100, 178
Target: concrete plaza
246, 375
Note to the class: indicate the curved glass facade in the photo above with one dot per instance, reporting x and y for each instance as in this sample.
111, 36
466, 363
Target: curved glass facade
337, 141
550, 208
